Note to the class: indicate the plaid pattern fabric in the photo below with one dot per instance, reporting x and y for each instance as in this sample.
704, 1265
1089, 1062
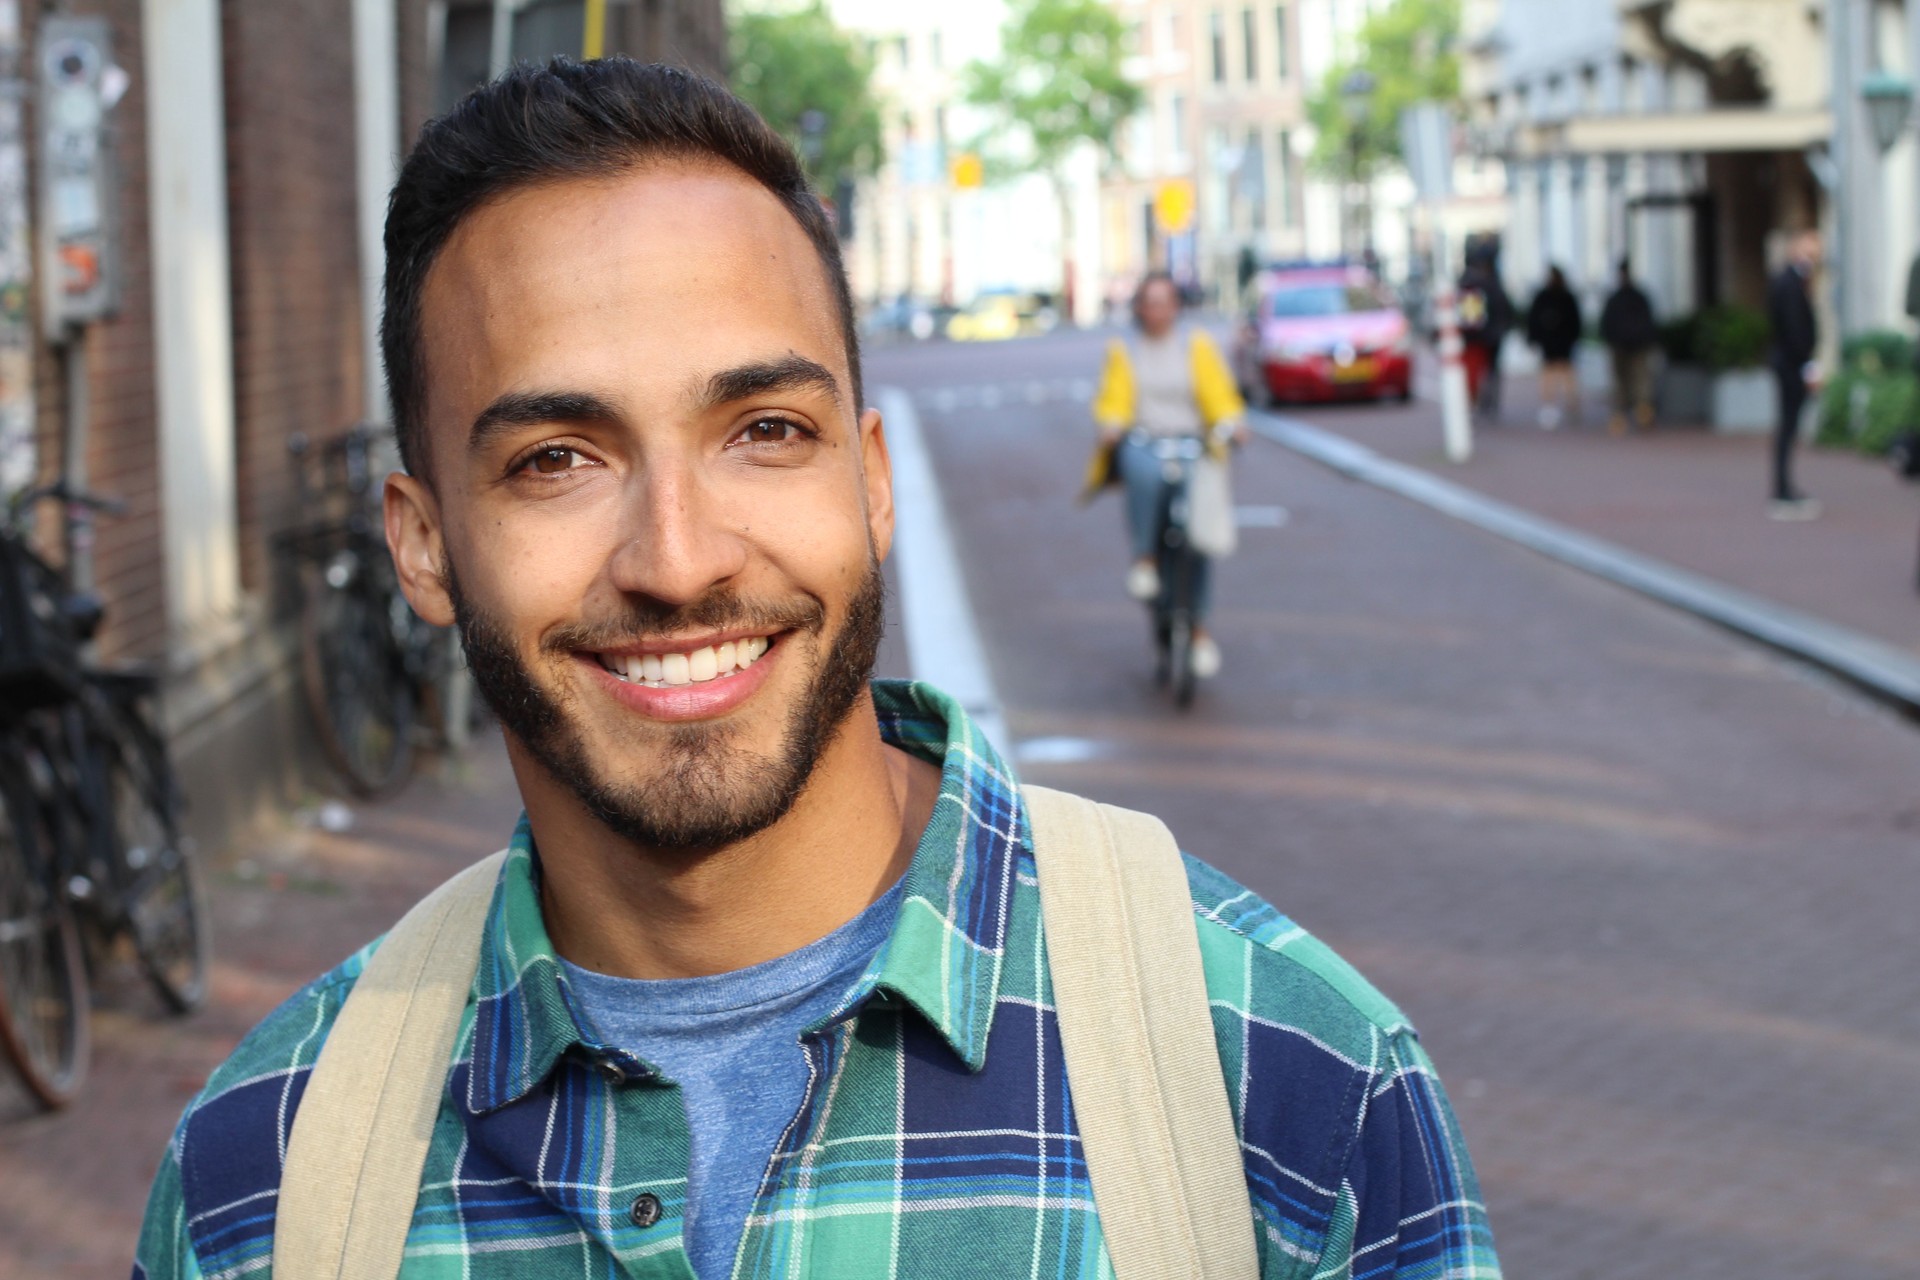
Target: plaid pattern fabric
937, 1137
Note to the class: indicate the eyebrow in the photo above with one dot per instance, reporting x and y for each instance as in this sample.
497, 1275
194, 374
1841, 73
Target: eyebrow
790, 372
530, 408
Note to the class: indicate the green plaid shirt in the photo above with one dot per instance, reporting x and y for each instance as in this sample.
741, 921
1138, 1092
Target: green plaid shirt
937, 1137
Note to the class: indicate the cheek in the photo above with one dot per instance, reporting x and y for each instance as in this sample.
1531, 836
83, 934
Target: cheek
531, 572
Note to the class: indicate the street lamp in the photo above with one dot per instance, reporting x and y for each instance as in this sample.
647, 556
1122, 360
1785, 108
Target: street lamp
1356, 98
1889, 100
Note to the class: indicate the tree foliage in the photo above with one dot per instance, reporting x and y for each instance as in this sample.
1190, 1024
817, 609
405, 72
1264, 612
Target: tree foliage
793, 61
1057, 83
1410, 50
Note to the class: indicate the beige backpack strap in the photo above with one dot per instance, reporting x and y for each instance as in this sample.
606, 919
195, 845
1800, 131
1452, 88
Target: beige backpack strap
360, 1137
1136, 1027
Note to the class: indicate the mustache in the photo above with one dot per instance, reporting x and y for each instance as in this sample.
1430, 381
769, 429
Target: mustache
719, 611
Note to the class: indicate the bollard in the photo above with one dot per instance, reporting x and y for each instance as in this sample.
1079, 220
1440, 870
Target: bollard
1454, 416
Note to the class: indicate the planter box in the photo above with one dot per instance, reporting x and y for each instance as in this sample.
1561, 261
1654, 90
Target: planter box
1684, 394
1745, 401
1732, 402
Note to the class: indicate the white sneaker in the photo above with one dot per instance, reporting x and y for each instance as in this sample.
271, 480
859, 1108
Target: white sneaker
1143, 581
1205, 658
1793, 509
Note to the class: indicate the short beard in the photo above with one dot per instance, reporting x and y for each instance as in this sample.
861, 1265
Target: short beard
706, 792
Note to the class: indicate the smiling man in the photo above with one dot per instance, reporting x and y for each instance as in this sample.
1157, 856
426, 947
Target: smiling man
763, 982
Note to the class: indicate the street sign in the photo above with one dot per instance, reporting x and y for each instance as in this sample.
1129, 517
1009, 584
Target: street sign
1426, 140
77, 86
1173, 206
967, 171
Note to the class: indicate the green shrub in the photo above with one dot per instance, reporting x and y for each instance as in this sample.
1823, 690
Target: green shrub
1733, 337
1877, 351
1680, 340
1892, 407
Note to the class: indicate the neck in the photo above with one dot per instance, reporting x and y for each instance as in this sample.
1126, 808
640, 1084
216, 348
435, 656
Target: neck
616, 907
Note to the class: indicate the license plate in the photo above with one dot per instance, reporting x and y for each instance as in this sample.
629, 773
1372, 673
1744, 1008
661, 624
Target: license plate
1358, 371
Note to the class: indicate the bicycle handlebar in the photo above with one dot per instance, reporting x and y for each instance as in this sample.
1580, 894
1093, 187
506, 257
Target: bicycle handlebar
61, 491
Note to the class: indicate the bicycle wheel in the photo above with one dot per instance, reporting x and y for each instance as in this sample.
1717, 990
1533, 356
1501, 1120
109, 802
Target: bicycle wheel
360, 697
44, 1000
161, 895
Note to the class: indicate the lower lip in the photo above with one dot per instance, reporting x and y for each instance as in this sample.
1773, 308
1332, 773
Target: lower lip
703, 701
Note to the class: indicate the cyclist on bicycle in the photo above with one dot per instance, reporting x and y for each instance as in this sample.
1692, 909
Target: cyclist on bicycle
1168, 379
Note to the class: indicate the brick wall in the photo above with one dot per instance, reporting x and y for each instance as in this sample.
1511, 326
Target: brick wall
295, 261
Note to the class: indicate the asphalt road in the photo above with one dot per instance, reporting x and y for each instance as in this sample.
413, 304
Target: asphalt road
1648, 892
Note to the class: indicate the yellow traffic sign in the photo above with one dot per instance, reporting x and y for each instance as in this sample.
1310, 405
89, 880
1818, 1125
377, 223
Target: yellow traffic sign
1173, 206
967, 171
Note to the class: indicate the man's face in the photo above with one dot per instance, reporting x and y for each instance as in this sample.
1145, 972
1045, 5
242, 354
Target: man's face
655, 513
1807, 249
1159, 307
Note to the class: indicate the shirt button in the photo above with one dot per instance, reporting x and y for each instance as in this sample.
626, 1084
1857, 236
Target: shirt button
612, 1072
646, 1209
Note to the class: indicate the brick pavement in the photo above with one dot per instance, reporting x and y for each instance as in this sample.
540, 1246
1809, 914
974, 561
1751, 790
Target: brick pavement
1647, 890
1686, 496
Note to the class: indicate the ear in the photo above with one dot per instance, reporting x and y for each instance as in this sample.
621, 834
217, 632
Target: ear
419, 549
877, 472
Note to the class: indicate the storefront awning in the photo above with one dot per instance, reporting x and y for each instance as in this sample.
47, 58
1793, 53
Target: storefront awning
1689, 131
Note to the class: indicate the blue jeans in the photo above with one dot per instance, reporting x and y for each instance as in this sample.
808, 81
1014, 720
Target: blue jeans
1147, 496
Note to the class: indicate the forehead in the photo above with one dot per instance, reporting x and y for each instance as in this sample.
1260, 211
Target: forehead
642, 283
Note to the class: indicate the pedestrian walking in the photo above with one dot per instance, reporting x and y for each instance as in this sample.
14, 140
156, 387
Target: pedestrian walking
783, 970
1628, 329
1554, 325
1486, 316
1795, 338
1168, 381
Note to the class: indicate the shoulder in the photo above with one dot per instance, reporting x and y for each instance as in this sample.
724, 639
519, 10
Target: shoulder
1310, 984
231, 1142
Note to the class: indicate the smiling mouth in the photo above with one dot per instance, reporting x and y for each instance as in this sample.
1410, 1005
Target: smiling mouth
694, 666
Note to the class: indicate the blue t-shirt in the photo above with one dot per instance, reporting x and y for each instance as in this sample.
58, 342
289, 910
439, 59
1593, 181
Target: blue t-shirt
731, 1041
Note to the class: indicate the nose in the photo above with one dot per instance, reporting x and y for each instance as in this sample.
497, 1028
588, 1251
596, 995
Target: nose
676, 541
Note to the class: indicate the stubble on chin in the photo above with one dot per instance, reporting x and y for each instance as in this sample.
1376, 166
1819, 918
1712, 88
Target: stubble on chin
705, 788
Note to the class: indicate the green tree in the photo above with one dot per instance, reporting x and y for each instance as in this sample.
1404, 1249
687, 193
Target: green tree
1057, 87
814, 83
1409, 50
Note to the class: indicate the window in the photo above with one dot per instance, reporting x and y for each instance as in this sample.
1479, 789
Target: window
1250, 44
1253, 178
1281, 44
1217, 39
1285, 180
1177, 124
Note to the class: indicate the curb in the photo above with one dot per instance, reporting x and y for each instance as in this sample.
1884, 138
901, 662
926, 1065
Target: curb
1880, 669
943, 640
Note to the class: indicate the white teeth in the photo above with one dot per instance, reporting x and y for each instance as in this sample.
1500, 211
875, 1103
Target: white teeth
702, 665
696, 666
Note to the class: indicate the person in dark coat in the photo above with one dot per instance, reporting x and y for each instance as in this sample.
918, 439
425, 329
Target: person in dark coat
1486, 314
1795, 337
1554, 323
1628, 329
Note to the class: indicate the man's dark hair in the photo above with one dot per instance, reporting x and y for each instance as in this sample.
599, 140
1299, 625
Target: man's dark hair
570, 120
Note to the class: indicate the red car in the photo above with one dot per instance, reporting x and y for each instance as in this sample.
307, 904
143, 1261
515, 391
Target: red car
1324, 333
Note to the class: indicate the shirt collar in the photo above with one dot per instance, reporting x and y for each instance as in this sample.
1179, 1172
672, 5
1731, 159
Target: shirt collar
943, 956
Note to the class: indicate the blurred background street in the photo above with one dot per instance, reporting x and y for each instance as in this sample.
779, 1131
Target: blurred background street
1599, 762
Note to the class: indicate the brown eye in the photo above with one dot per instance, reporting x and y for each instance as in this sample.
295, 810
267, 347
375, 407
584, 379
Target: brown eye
552, 461
770, 431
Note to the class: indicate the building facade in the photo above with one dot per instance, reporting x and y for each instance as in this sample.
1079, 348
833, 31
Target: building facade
246, 209
1693, 136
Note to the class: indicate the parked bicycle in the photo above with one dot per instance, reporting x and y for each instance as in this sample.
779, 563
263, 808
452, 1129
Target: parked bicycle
370, 667
90, 846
